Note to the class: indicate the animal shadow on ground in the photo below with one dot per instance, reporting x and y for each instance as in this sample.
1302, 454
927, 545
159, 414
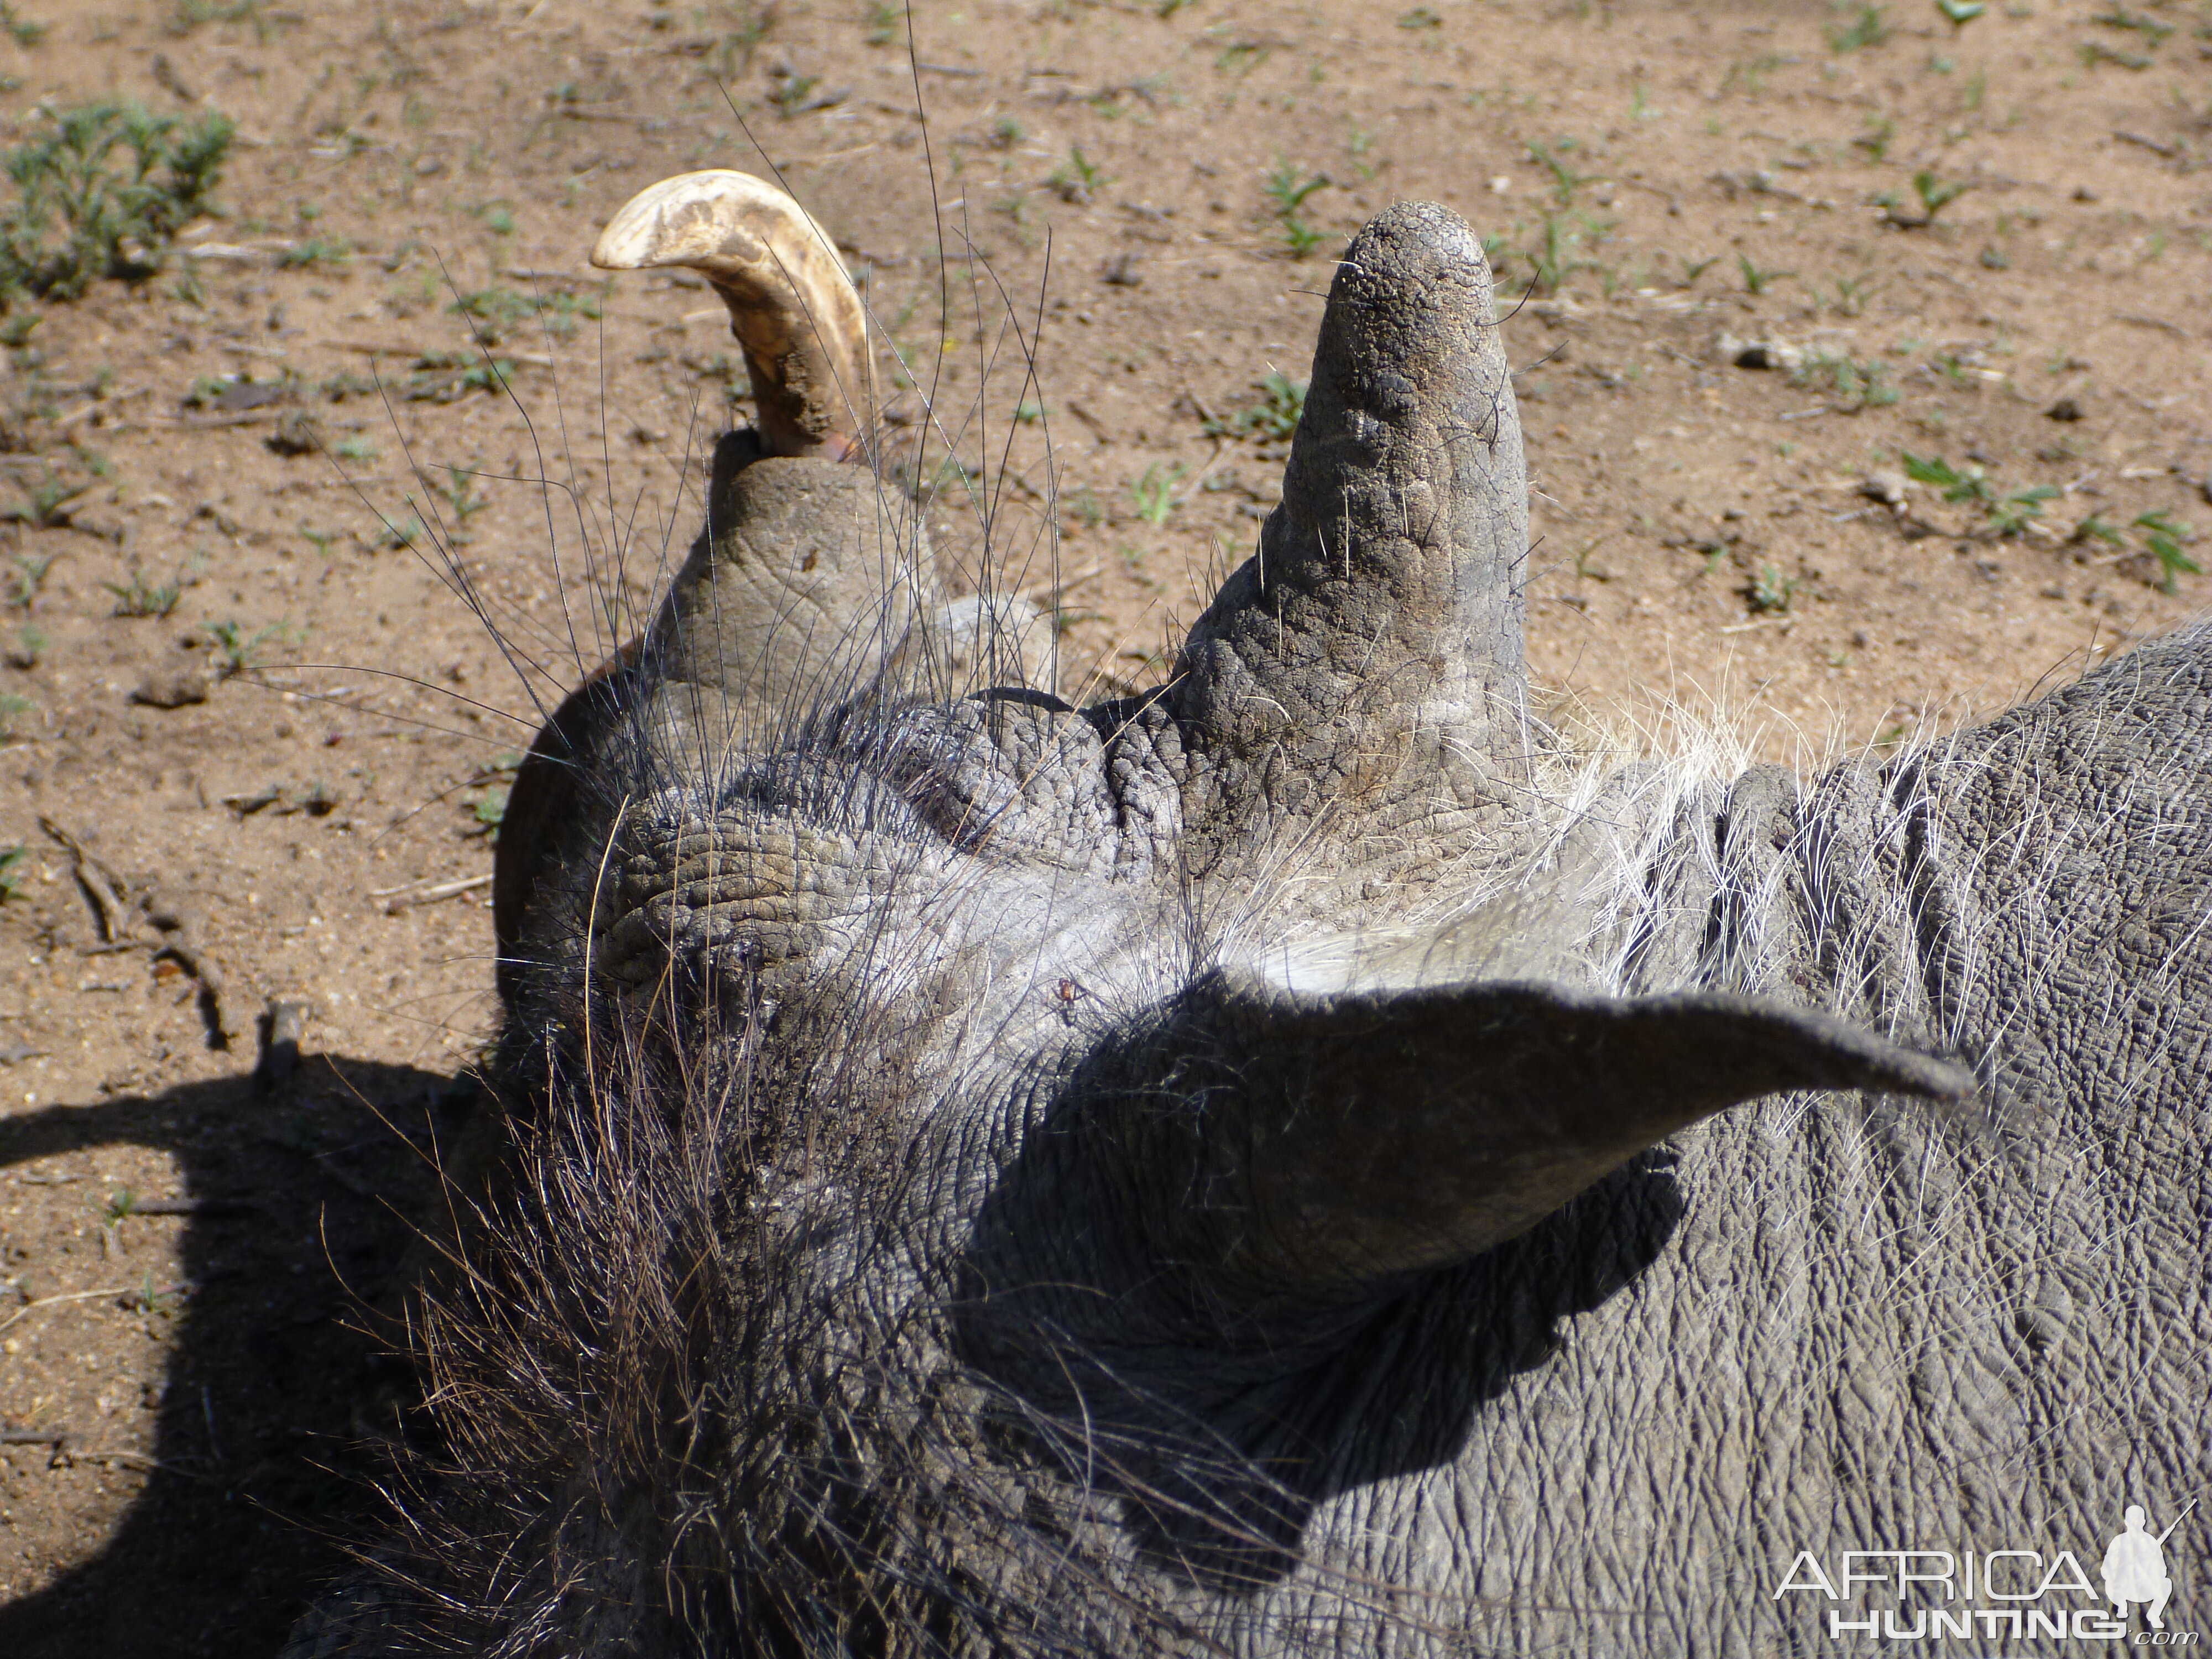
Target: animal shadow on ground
306, 1199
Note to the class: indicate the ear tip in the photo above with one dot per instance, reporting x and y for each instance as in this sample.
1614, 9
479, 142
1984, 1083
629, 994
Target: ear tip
1840, 1054
1903, 1072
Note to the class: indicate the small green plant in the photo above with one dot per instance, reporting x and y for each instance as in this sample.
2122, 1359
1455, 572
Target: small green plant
150, 1298
1088, 513
333, 252
2119, 17
119, 1206
140, 597
46, 502
460, 495
1154, 494
1756, 281
1006, 133
952, 473
407, 534
101, 192
241, 652
2094, 53
21, 30
12, 709
1875, 141
1584, 570
1421, 17
493, 311
1289, 192
1274, 417
1565, 182
562, 309
444, 377
1557, 254
793, 94
347, 384
25, 575
1300, 238
1971, 485
1866, 28
1028, 411
1857, 385
2163, 535
733, 52
1771, 591
30, 647
1851, 295
1360, 144
2011, 515
1749, 76
1935, 194
356, 448
487, 812
1076, 180
882, 26
191, 14
1961, 12
1016, 206
14, 871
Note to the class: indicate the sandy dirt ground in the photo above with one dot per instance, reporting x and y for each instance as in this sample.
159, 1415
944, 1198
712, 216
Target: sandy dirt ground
1863, 356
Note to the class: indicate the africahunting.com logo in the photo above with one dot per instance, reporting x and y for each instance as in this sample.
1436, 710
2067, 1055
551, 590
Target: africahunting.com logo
1922, 1595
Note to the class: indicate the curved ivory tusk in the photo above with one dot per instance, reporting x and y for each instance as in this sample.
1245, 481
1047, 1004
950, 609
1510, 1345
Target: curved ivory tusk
791, 307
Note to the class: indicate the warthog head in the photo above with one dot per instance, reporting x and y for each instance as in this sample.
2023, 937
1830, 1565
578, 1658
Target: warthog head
984, 1176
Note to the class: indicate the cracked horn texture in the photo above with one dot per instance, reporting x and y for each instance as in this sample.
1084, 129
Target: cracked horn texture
1383, 608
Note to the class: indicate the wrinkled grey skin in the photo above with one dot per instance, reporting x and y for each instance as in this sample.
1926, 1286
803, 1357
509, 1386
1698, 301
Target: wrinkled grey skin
1299, 1162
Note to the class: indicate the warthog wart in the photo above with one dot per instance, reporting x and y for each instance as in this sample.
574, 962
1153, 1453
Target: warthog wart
1300, 1160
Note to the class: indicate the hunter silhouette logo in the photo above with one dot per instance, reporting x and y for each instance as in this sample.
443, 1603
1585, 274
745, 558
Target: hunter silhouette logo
1920, 1594
2134, 1566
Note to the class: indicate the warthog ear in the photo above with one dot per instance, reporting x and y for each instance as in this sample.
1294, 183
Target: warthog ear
1289, 1144
1380, 621
791, 307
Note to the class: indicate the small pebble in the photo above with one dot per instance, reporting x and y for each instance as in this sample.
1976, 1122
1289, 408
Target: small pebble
1886, 486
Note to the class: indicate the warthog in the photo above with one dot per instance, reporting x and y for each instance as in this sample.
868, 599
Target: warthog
1300, 1160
